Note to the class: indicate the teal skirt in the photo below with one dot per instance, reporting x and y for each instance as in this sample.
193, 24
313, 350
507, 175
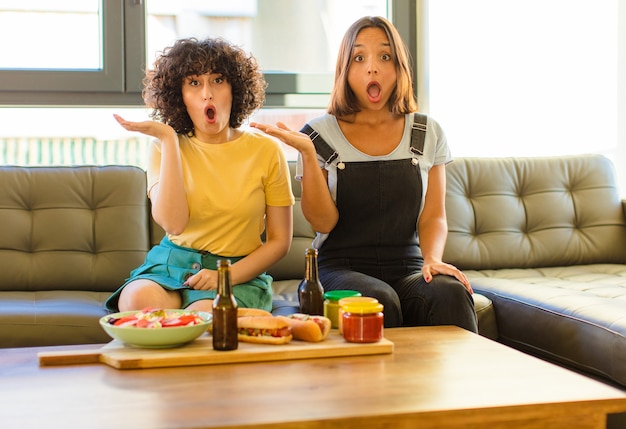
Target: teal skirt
170, 265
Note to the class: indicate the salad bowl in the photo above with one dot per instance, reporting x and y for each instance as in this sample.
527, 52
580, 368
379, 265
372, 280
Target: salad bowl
156, 328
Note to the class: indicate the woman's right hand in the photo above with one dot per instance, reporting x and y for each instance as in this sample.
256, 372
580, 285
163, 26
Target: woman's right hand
149, 128
170, 208
297, 140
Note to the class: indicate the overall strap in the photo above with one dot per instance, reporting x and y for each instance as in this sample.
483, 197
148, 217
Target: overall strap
418, 134
418, 137
321, 147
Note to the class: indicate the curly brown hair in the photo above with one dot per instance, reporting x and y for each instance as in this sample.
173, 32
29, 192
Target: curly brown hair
162, 91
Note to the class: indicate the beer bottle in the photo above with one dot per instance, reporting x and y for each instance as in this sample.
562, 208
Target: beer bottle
310, 290
224, 310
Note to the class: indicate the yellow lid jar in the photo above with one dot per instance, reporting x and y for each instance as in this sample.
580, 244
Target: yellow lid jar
362, 322
344, 301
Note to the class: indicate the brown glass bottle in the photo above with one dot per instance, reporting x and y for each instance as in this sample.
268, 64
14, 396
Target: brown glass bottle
310, 290
224, 310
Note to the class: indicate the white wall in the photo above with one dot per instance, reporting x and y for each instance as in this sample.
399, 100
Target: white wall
527, 77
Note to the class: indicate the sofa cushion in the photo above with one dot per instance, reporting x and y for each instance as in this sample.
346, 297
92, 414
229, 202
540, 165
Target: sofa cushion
574, 315
533, 212
71, 228
48, 318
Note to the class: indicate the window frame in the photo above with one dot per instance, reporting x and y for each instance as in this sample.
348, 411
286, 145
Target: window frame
119, 82
114, 83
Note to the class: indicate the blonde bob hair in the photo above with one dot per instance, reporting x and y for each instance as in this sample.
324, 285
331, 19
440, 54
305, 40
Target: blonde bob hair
343, 101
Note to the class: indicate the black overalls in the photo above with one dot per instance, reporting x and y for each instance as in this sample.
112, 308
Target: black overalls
374, 246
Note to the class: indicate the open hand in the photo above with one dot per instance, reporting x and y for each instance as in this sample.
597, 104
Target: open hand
297, 140
149, 128
431, 269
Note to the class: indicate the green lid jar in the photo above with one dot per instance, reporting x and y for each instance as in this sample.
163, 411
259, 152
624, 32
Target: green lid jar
331, 304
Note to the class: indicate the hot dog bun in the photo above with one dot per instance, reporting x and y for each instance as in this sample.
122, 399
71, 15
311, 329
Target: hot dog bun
263, 330
307, 328
249, 312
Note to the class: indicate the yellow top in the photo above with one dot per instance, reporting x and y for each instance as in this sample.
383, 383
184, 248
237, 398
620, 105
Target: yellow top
228, 187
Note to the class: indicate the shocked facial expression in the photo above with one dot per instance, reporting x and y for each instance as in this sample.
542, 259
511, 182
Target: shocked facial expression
209, 100
372, 73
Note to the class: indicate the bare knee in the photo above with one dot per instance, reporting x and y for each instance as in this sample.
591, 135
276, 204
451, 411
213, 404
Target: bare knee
142, 293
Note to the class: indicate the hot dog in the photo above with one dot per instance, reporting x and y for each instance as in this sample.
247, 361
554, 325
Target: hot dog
245, 312
308, 328
263, 330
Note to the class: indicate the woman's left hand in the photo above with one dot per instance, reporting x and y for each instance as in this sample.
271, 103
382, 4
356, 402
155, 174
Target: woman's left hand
431, 269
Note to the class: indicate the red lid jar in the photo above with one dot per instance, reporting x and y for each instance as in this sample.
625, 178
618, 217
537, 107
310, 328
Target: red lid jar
362, 322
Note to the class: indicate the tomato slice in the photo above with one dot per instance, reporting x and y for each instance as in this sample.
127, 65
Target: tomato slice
182, 320
143, 323
125, 320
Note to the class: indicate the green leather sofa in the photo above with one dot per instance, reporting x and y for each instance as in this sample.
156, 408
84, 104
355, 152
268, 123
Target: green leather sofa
542, 240
545, 240
69, 236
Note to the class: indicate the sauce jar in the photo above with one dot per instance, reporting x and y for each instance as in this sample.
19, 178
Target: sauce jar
331, 304
362, 322
344, 301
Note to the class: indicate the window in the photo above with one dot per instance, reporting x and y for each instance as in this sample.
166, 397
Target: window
69, 52
295, 41
527, 78
57, 50
94, 52
60, 111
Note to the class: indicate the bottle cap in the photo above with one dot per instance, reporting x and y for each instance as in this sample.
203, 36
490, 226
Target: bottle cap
336, 295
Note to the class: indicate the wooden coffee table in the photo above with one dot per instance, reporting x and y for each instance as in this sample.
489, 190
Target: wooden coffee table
437, 377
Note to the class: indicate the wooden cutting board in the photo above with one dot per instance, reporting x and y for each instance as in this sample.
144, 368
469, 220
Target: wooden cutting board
200, 352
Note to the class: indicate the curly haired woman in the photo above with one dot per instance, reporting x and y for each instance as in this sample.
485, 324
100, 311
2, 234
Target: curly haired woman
214, 188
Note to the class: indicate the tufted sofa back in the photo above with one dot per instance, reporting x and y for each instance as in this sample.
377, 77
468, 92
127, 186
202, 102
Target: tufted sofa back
292, 265
72, 228
502, 213
533, 212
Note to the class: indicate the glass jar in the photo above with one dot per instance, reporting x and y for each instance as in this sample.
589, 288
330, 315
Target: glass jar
362, 322
331, 304
348, 300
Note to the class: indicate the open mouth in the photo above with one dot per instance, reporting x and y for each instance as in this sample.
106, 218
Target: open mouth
374, 91
210, 113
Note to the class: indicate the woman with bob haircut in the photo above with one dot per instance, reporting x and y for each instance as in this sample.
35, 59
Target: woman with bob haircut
213, 187
373, 186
